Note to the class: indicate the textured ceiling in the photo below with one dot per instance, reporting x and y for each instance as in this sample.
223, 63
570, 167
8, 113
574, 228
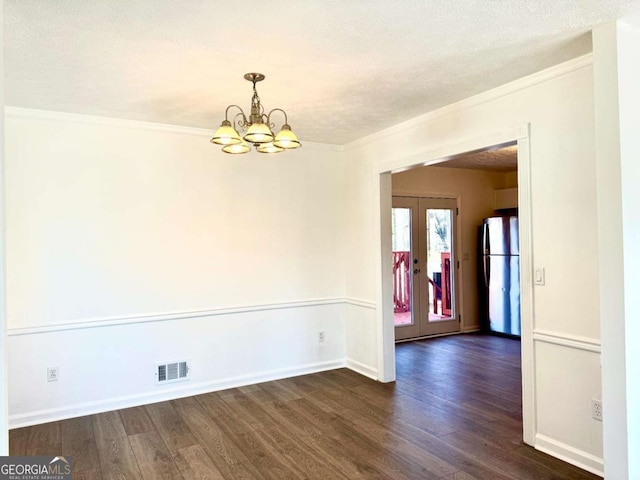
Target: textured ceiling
341, 69
502, 160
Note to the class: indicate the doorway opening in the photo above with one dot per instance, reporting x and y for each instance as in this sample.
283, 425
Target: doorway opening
438, 222
502, 173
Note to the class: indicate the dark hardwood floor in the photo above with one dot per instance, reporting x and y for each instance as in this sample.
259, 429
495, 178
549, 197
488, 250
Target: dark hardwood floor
454, 414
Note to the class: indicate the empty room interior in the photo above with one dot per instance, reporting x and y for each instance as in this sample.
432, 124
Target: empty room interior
344, 240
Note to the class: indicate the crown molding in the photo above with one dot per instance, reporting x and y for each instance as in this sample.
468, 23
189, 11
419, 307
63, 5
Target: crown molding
36, 114
578, 63
32, 113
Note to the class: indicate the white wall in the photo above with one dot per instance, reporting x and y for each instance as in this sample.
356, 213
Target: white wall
106, 220
617, 101
360, 272
130, 244
475, 191
558, 105
629, 80
4, 439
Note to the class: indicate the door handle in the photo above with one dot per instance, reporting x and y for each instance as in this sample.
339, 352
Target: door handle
416, 271
487, 270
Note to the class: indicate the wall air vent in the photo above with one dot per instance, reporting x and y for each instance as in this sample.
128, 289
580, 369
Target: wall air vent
170, 372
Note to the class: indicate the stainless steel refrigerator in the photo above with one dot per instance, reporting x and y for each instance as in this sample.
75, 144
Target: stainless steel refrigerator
500, 275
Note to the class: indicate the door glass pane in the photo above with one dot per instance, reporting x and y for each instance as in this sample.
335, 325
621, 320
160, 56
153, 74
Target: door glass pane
439, 264
402, 277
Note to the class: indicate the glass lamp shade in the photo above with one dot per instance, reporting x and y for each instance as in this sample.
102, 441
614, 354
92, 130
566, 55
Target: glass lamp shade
226, 135
269, 148
259, 133
286, 138
237, 148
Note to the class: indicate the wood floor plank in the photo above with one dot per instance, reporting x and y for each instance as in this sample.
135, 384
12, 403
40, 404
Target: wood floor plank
517, 468
117, 461
153, 457
330, 446
79, 442
240, 471
170, 426
264, 457
291, 437
45, 439
564, 470
194, 464
19, 441
250, 418
283, 414
459, 476
107, 425
379, 455
359, 446
280, 390
218, 446
136, 420
402, 447
93, 474
299, 456
245, 408
294, 384
448, 453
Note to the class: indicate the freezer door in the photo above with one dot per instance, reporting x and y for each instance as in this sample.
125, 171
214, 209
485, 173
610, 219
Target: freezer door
500, 236
503, 303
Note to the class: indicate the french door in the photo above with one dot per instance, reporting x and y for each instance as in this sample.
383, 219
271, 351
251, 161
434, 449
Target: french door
425, 295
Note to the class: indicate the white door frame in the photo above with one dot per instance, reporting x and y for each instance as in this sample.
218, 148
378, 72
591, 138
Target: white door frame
383, 264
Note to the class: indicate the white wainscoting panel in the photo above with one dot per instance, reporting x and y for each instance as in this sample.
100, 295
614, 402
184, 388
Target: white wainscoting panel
112, 366
567, 372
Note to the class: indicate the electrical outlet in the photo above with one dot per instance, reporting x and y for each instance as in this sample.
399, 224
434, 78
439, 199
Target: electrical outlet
52, 374
596, 409
321, 337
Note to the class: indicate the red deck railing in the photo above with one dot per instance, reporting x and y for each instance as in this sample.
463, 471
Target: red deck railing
402, 284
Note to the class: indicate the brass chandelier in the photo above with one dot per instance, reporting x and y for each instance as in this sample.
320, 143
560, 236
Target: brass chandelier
256, 128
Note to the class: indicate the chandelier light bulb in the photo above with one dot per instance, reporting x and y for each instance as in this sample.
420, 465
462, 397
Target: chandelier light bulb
226, 135
259, 133
286, 138
269, 148
237, 148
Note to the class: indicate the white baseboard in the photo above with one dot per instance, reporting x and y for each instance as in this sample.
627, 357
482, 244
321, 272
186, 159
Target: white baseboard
362, 368
570, 454
184, 390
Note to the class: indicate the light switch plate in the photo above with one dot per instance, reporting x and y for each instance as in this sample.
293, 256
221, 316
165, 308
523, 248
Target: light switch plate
538, 276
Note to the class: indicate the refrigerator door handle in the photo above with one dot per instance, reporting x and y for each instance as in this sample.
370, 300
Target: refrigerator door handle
486, 269
486, 247
485, 252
